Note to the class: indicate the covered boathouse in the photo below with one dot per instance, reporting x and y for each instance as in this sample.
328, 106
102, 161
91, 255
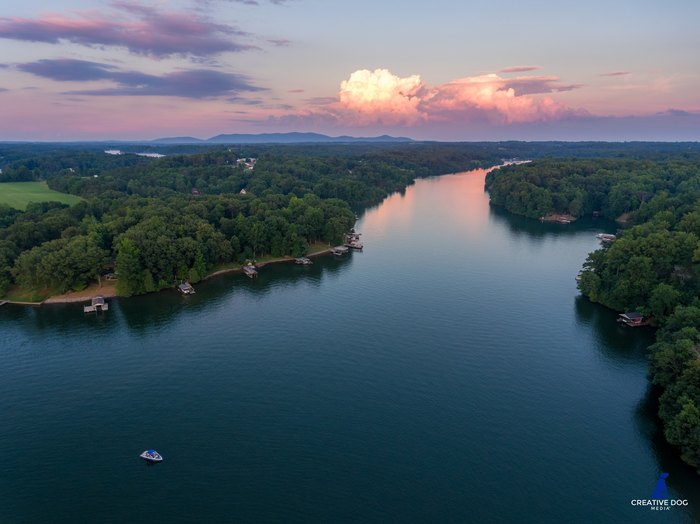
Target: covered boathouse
250, 271
96, 304
186, 288
633, 319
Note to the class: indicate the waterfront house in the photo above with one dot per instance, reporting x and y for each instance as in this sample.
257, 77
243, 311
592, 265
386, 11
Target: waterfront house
247, 163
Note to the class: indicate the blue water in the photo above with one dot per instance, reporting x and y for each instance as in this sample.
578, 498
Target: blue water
448, 373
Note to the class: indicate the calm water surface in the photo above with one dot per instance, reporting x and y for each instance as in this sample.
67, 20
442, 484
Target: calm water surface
449, 373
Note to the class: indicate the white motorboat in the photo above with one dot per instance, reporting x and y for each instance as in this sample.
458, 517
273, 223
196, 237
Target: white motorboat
151, 455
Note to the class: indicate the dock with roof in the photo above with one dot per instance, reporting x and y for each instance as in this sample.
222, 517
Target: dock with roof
96, 304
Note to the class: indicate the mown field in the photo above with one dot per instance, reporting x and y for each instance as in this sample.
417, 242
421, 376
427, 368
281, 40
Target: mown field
19, 194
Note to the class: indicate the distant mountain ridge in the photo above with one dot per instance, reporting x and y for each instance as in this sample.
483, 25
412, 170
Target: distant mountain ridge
279, 138
179, 140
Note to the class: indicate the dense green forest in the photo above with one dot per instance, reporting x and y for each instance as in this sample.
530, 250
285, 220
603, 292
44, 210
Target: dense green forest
653, 267
609, 187
156, 221
159, 220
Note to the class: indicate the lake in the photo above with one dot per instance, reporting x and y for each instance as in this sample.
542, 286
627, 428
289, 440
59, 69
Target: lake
451, 372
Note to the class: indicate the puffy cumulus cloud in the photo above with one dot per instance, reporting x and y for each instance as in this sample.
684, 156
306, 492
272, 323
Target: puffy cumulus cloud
141, 29
488, 97
381, 96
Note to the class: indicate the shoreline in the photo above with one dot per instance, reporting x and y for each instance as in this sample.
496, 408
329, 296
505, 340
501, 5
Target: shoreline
95, 290
109, 290
559, 218
280, 260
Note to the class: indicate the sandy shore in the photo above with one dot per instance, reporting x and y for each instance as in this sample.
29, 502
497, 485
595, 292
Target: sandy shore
562, 218
239, 269
108, 289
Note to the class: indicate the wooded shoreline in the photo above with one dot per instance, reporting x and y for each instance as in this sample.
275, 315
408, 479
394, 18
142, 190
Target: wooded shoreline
652, 268
110, 291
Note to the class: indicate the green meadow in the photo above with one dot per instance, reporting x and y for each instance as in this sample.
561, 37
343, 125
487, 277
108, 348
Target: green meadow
19, 194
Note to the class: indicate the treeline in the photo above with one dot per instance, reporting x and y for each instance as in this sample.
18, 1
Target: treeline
608, 187
157, 221
155, 242
359, 174
653, 267
66, 162
25, 162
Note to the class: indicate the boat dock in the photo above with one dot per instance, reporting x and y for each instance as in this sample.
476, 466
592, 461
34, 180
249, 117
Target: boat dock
340, 250
250, 271
303, 261
633, 319
186, 288
606, 238
352, 240
97, 304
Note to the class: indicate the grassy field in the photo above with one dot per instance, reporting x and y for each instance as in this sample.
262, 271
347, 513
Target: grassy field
19, 194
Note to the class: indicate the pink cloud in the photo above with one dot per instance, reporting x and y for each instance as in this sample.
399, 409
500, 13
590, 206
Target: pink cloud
321, 100
381, 97
616, 73
147, 31
519, 69
530, 85
489, 97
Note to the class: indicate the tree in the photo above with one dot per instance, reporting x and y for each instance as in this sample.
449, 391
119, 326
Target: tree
663, 300
131, 278
684, 430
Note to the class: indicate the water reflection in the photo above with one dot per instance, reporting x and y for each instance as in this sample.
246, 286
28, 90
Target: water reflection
390, 364
615, 341
462, 201
621, 346
61, 319
227, 291
141, 313
682, 478
535, 229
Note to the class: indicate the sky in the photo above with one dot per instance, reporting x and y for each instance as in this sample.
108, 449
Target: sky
613, 70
